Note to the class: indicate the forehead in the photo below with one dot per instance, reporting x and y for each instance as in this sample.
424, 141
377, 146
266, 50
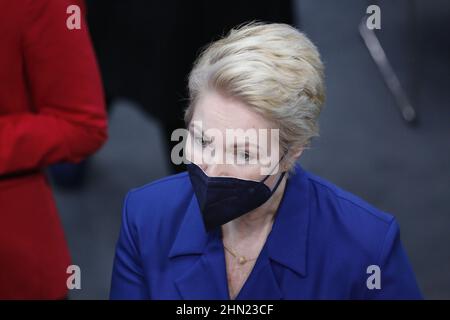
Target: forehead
221, 112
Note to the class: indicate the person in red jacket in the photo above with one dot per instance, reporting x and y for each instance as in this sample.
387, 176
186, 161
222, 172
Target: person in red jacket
51, 110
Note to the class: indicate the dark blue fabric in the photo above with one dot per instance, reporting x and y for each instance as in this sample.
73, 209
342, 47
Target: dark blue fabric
222, 199
322, 241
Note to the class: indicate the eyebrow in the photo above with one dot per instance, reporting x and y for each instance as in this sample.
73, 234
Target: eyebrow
245, 143
194, 127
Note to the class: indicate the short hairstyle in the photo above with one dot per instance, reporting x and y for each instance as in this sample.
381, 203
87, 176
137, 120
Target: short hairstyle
272, 67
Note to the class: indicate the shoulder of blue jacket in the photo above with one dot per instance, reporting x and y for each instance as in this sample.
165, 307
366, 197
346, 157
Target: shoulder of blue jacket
363, 230
349, 200
165, 182
160, 197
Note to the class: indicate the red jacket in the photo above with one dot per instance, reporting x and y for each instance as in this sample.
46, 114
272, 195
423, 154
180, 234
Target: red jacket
51, 110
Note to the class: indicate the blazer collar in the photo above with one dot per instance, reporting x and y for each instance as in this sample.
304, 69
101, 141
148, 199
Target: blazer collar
287, 242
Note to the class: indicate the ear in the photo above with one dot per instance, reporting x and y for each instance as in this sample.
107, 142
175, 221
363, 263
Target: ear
297, 153
293, 156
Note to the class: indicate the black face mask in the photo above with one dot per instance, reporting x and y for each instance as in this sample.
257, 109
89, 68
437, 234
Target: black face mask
222, 199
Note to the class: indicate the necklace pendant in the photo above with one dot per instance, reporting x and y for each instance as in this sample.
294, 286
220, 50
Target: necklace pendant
242, 260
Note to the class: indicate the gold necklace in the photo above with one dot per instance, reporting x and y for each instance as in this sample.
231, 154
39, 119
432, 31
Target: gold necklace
240, 259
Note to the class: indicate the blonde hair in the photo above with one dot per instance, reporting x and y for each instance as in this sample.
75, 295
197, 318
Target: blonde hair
273, 68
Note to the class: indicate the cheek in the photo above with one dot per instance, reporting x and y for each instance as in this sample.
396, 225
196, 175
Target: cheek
270, 182
188, 148
248, 172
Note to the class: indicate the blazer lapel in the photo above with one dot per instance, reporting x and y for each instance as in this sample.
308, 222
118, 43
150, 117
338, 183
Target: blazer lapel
205, 274
288, 240
261, 283
286, 245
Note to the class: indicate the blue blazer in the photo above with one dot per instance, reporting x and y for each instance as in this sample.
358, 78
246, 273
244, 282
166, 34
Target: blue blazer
322, 243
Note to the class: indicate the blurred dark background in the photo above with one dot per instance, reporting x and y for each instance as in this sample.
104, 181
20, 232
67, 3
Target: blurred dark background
145, 51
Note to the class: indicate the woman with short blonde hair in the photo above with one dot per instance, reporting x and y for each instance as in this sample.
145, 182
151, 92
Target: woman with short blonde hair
273, 68
226, 231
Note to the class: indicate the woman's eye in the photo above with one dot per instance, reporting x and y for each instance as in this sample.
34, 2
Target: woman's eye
203, 142
244, 155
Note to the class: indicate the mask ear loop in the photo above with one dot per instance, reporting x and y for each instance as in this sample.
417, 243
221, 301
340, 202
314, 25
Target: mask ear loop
282, 175
278, 182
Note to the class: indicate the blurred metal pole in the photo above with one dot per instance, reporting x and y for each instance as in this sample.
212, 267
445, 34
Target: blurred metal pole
390, 78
